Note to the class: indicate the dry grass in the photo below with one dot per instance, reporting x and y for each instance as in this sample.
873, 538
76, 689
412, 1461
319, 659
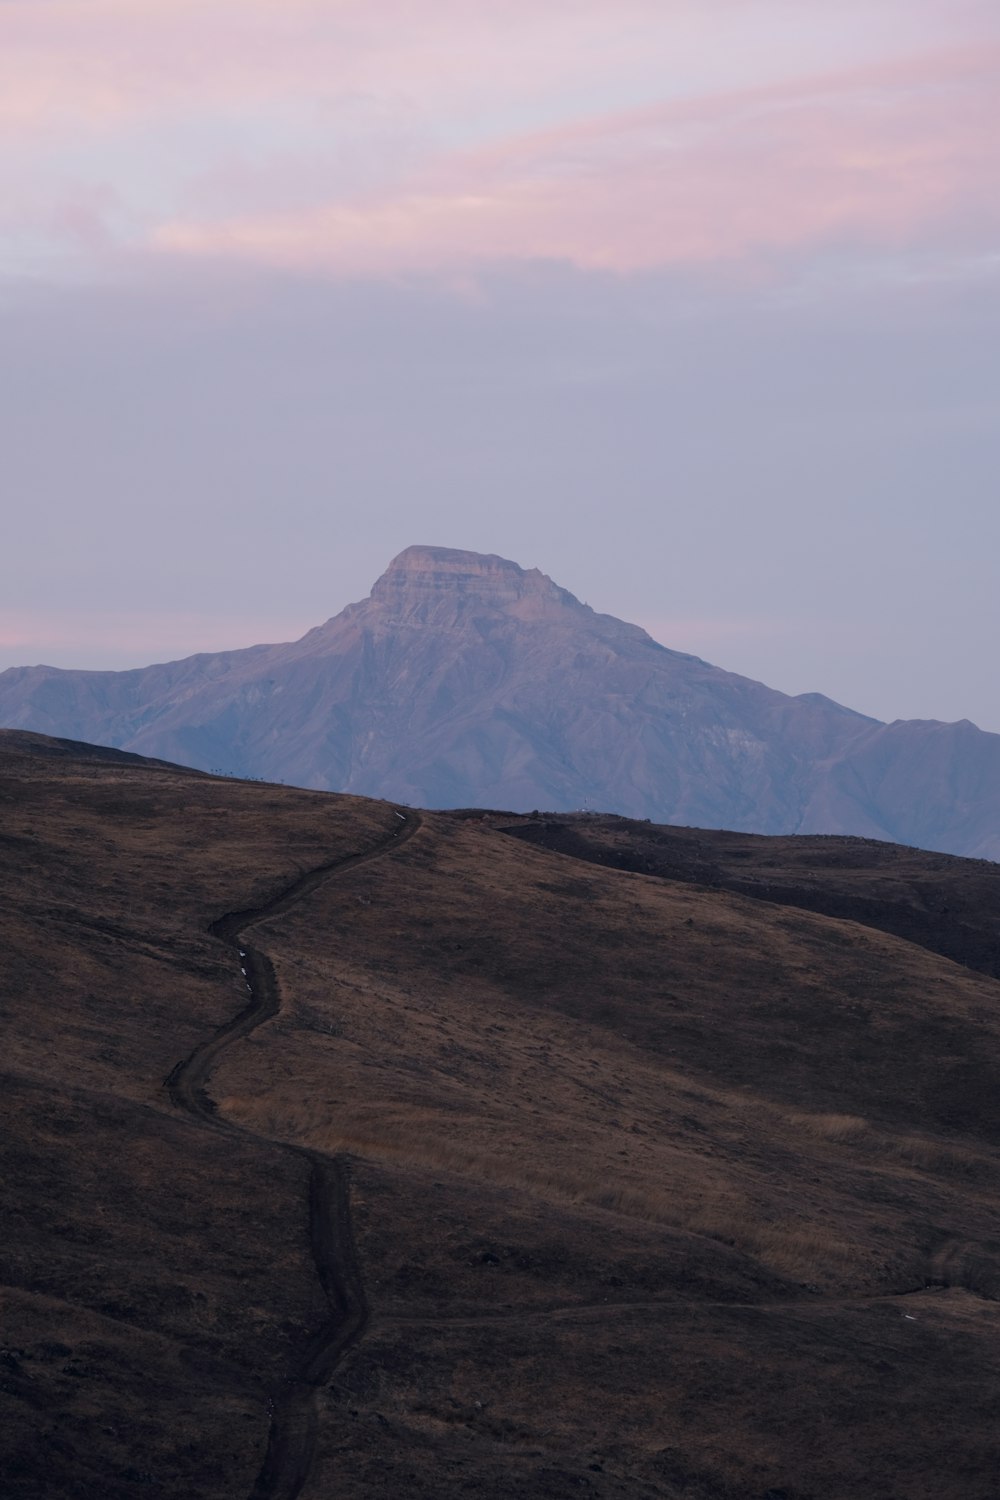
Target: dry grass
429, 1144
677, 1190
634, 1078
803, 1251
602, 1127
836, 1128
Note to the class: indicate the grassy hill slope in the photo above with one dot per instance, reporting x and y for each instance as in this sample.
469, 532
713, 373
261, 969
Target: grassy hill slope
656, 1188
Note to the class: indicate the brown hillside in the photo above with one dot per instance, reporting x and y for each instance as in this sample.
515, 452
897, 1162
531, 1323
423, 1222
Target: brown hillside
940, 901
542, 1179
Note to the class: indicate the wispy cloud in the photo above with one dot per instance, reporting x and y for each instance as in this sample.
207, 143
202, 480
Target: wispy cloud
350, 136
874, 156
106, 60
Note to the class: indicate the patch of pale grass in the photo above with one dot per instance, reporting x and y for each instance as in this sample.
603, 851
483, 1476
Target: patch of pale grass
425, 1140
940, 1158
830, 1127
946, 1159
802, 1251
799, 1249
670, 1187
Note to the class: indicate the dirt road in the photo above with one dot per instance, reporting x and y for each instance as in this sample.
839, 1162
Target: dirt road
292, 1437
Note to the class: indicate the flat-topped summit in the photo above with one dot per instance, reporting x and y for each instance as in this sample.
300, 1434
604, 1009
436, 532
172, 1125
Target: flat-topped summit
421, 574
466, 680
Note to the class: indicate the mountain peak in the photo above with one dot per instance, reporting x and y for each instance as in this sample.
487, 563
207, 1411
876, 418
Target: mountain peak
425, 559
421, 575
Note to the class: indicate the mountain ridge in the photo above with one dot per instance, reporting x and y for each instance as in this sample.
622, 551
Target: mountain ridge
464, 679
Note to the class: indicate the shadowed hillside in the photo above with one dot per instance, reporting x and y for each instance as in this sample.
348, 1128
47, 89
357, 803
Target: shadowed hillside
943, 903
495, 1171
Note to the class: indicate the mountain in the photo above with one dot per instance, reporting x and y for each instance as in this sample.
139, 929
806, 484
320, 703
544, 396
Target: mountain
350, 1150
466, 680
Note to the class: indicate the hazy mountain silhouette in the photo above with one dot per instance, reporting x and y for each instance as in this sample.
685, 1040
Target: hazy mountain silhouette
465, 680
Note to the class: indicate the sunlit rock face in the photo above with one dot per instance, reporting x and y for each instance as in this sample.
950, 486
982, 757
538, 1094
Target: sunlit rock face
466, 680
424, 577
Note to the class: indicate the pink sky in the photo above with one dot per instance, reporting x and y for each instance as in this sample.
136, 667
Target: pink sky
386, 137
95, 638
879, 156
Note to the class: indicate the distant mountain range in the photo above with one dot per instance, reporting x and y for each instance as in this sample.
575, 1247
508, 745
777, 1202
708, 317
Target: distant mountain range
465, 680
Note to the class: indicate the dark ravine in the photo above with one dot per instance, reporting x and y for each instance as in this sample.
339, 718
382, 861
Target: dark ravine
292, 1436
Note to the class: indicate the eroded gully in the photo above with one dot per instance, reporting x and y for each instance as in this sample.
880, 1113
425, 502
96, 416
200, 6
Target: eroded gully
294, 1417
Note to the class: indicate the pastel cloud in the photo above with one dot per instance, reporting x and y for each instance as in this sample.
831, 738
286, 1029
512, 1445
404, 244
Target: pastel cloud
873, 157
98, 62
378, 135
106, 58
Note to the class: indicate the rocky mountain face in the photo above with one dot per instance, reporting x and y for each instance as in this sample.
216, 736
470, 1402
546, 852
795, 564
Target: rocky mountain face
465, 680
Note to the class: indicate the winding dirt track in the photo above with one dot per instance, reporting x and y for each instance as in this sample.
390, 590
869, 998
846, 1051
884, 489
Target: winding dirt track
294, 1415
292, 1437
